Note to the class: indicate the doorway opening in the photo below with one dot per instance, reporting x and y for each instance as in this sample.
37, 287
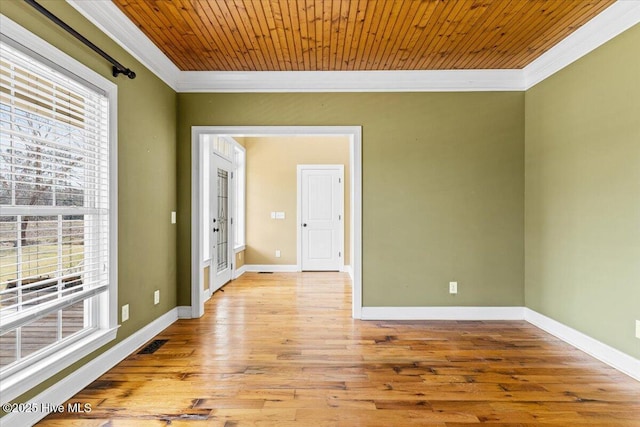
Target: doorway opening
199, 278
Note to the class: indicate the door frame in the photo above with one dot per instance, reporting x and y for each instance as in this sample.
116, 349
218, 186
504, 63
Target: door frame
355, 182
300, 168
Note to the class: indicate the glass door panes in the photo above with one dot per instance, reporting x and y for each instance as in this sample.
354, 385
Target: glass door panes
223, 220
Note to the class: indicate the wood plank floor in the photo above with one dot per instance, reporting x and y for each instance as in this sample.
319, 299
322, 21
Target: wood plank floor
282, 350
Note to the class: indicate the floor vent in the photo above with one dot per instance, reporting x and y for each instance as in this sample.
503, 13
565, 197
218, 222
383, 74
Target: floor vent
152, 347
265, 272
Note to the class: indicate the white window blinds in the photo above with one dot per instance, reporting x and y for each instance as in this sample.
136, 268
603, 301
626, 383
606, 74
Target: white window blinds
54, 198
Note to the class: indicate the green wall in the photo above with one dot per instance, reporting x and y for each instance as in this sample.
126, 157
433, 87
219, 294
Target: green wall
443, 187
146, 169
583, 194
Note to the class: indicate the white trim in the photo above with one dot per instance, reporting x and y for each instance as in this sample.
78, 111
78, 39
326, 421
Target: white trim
347, 269
351, 81
35, 374
355, 239
442, 313
239, 248
601, 351
67, 387
184, 311
197, 294
355, 158
615, 358
270, 268
299, 169
239, 272
614, 20
110, 20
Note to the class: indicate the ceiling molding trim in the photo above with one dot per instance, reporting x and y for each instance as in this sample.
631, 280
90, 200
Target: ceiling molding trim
351, 81
619, 17
614, 20
108, 18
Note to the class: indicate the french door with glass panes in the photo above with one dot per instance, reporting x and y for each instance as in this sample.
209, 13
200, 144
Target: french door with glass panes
220, 222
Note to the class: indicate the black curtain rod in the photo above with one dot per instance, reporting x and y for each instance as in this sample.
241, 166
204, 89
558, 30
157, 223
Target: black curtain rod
118, 68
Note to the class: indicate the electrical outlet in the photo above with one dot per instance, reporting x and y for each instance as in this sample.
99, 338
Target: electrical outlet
277, 253
173, 217
125, 312
453, 287
156, 297
637, 328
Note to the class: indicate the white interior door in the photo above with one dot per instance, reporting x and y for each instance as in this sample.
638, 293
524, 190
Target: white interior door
321, 190
220, 222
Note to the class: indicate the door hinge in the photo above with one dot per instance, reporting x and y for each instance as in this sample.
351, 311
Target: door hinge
339, 217
339, 180
231, 175
231, 219
232, 266
339, 254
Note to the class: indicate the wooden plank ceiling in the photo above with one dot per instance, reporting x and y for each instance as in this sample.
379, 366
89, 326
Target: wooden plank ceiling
314, 35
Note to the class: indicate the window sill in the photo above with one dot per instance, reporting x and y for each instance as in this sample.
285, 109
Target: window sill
240, 248
29, 377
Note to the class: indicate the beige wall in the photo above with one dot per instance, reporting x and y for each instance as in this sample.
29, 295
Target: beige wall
272, 187
240, 259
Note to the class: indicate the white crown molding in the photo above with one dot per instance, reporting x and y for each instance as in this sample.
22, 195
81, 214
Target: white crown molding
611, 22
351, 81
109, 19
614, 20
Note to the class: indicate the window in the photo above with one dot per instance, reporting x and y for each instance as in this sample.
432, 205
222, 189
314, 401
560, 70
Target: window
57, 217
239, 178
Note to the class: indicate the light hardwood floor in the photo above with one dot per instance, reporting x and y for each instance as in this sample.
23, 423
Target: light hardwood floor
282, 350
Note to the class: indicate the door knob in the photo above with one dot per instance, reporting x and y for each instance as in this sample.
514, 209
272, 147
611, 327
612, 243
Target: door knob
304, 225
216, 229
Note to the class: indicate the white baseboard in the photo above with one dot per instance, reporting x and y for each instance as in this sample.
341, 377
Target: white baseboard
601, 351
184, 312
442, 313
240, 271
347, 269
64, 389
271, 268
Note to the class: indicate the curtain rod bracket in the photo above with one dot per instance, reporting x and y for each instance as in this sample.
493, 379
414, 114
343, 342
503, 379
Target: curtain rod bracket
127, 72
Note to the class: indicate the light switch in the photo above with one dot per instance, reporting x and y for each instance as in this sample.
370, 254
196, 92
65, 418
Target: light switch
273, 215
173, 217
279, 215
